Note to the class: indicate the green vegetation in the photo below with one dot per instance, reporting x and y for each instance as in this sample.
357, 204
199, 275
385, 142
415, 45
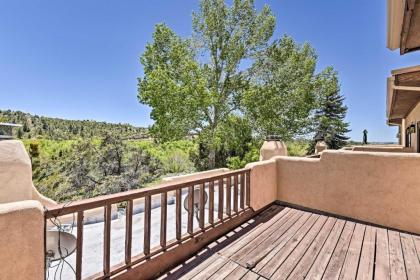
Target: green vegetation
39, 127
329, 117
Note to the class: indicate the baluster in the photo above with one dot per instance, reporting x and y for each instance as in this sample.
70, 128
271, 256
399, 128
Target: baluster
163, 219
242, 190
220, 206
147, 216
228, 195
235, 193
248, 189
107, 239
201, 207
79, 245
211, 202
190, 209
178, 214
128, 230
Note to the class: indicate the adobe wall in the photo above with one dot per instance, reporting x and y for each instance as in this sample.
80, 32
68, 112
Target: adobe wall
380, 188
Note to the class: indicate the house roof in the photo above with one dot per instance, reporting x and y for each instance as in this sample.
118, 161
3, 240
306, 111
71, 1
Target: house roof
403, 28
403, 93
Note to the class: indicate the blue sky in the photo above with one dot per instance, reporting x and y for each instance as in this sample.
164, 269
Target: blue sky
80, 59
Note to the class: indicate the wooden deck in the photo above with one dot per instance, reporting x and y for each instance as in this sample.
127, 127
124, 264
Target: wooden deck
285, 243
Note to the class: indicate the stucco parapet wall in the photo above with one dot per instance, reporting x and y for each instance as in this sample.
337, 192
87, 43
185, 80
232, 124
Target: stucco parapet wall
22, 240
375, 187
385, 148
195, 176
263, 181
15, 172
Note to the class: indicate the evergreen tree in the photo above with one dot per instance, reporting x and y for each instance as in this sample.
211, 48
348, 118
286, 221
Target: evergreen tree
329, 124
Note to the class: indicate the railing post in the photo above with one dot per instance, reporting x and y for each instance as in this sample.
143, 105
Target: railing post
107, 239
163, 218
248, 189
220, 206
128, 230
178, 214
79, 245
190, 210
242, 191
201, 207
235, 193
147, 223
211, 202
228, 196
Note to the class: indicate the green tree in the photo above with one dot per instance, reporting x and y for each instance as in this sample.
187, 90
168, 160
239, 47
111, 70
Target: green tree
195, 85
282, 95
329, 124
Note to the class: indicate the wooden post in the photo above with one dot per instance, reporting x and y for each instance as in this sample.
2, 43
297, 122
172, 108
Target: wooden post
163, 219
228, 196
190, 210
221, 191
128, 230
201, 207
235, 193
79, 245
147, 217
242, 191
178, 213
211, 202
107, 239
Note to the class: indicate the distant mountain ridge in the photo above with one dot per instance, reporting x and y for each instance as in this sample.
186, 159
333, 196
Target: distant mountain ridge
34, 126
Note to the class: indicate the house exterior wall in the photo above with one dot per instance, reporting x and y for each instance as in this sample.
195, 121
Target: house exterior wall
22, 240
380, 188
413, 117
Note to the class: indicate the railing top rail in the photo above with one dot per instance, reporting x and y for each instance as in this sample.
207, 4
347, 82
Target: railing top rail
91, 203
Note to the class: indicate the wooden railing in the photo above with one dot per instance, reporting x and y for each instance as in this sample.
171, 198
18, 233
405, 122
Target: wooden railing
233, 198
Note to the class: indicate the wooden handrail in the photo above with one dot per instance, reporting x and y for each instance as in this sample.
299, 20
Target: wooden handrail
96, 202
233, 190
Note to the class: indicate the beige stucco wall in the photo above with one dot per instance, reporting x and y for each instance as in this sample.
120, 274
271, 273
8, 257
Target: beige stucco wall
383, 148
22, 240
263, 179
380, 188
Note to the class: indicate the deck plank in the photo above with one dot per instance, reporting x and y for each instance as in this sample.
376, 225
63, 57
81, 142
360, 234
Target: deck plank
224, 271
211, 268
289, 264
305, 264
272, 265
273, 214
264, 253
251, 276
337, 259
416, 240
367, 256
259, 252
411, 260
349, 269
321, 261
396, 259
382, 270
238, 273
247, 245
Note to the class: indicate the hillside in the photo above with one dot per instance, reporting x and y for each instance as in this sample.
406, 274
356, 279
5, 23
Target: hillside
39, 127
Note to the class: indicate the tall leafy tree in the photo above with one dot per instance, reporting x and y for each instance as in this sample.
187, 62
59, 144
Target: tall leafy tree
282, 94
329, 122
195, 85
